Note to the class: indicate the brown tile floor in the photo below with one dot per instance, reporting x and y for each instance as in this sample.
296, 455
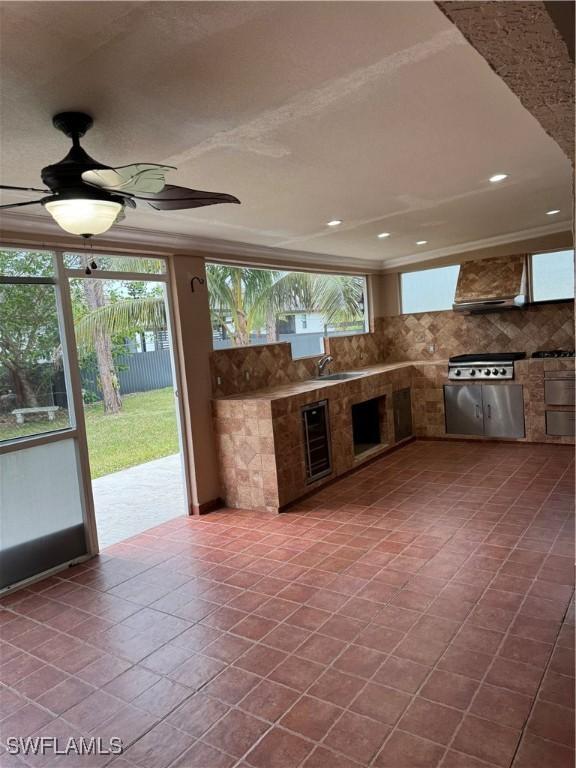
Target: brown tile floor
415, 614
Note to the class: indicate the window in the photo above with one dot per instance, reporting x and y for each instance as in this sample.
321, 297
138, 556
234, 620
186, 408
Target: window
135, 264
428, 290
553, 276
33, 396
261, 306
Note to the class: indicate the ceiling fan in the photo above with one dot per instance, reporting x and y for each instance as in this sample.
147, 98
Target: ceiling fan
86, 197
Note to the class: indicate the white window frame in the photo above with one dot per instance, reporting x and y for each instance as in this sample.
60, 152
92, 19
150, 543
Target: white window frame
401, 293
530, 274
292, 268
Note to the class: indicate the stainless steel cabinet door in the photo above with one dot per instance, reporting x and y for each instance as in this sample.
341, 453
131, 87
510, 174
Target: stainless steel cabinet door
559, 391
503, 410
402, 414
560, 423
463, 403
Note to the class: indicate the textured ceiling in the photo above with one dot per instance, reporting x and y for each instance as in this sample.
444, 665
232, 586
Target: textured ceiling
380, 114
535, 57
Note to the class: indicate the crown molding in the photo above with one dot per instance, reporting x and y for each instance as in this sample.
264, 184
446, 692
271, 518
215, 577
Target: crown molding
477, 245
31, 230
27, 229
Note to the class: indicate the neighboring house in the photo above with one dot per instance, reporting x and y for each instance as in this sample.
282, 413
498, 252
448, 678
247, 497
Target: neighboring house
301, 322
304, 330
292, 323
148, 341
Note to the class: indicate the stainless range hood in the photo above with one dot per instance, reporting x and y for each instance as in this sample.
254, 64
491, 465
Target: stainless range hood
491, 285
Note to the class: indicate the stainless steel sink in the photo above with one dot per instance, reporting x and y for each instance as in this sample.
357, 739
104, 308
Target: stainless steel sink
338, 376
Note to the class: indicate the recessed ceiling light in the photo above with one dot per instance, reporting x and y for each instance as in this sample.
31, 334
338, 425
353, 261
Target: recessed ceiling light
498, 177
421, 242
553, 212
384, 234
334, 222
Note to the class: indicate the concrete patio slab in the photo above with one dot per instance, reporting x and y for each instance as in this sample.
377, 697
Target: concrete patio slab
135, 499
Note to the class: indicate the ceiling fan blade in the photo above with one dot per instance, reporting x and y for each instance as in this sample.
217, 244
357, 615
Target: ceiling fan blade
173, 198
18, 205
25, 189
143, 178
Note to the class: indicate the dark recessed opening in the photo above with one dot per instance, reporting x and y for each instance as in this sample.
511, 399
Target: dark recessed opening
366, 424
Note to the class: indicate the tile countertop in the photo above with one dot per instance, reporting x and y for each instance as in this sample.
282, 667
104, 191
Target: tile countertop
548, 363
310, 385
538, 365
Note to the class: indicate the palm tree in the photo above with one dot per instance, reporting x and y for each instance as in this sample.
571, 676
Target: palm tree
96, 327
242, 300
124, 317
236, 296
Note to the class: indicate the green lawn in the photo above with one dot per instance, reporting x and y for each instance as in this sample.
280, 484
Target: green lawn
144, 430
9, 429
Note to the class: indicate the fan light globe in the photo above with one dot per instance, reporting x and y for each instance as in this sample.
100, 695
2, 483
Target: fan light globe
84, 216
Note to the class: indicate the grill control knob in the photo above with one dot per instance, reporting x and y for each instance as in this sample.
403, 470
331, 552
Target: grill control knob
495, 371
487, 372
457, 372
473, 372
503, 371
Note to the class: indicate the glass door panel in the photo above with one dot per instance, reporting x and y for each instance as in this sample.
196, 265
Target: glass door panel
42, 520
33, 396
45, 520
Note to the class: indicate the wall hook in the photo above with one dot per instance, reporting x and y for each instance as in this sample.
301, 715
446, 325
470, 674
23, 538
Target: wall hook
201, 281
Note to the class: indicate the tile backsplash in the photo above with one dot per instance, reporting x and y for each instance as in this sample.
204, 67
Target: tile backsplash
354, 351
438, 335
243, 369
423, 336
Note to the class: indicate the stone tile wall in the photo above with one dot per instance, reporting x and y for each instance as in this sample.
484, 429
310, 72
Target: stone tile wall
409, 337
246, 453
245, 369
396, 339
354, 351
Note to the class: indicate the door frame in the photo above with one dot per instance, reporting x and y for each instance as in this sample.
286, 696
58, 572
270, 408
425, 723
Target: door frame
77, 427
165, 279
76, 430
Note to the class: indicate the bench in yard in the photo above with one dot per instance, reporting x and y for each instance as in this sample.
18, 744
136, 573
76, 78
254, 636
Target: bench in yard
21, 413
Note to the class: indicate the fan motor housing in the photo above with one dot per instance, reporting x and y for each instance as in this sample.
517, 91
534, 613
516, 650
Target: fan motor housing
73, 123
68, 172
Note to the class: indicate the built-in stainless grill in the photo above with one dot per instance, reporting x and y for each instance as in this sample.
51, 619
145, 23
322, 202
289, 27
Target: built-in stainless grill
499, 365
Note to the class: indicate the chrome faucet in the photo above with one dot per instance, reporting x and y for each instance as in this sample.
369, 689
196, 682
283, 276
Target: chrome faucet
323, 362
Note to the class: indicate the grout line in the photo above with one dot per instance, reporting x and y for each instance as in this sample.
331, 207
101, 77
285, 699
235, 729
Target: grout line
503, 640
302, 531
389, 654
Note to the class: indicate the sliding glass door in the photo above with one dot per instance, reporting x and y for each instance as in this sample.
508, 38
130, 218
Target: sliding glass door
46, 512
